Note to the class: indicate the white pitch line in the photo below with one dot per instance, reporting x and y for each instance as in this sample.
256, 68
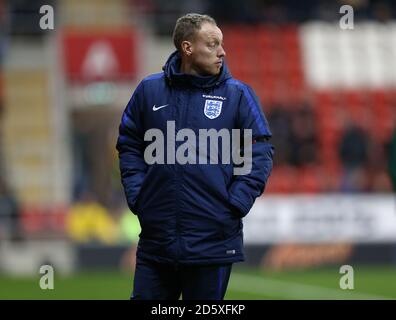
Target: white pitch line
291, 290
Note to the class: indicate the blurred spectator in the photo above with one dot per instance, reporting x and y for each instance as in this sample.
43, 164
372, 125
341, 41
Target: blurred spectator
9, 213
353, 152
355, 180
294, 135
354, 147
382, 11
377, 167
87, 221
303, 137
392, 160
279, 119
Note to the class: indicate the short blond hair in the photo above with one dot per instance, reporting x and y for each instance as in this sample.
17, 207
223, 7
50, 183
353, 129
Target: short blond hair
187, 26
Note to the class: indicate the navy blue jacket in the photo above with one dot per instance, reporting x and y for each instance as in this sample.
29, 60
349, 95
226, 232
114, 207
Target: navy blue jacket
191, 213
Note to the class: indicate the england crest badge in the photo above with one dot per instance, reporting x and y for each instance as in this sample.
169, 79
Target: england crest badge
212, 108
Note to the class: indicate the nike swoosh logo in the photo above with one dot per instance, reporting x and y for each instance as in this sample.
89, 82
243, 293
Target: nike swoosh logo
160, 107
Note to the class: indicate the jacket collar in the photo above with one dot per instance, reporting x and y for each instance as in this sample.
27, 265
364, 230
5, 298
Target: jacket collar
173, 74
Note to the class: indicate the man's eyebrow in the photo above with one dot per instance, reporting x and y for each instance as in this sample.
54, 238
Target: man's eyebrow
213, 41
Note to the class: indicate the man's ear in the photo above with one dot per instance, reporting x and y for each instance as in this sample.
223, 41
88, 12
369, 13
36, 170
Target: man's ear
186, 47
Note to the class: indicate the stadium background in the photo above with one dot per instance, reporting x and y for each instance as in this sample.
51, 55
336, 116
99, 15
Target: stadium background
330, 98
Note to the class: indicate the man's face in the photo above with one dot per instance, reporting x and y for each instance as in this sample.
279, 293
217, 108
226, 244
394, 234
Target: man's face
207, 50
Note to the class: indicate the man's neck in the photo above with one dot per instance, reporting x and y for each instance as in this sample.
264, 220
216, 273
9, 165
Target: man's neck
187, 68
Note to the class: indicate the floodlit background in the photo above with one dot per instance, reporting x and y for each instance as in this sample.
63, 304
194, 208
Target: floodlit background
329, 96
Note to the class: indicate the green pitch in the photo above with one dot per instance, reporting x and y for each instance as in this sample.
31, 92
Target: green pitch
245, 283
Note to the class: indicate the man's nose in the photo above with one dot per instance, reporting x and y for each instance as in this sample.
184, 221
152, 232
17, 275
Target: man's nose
222, 52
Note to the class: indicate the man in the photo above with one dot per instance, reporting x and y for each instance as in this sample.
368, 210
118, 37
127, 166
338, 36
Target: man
190, 211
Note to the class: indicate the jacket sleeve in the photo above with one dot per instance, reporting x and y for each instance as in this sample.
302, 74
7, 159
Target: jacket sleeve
244, 189
130, 146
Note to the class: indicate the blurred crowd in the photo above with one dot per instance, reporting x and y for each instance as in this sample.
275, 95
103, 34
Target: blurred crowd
365, 164
163, 13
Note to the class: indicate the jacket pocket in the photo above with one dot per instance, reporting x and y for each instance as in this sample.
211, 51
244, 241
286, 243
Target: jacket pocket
232, 225
142, 189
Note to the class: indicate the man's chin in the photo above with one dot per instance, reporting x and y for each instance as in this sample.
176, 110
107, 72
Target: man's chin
217, 71
212, 72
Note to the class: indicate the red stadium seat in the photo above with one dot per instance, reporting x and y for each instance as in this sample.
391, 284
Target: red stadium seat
283, 180
308, 180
